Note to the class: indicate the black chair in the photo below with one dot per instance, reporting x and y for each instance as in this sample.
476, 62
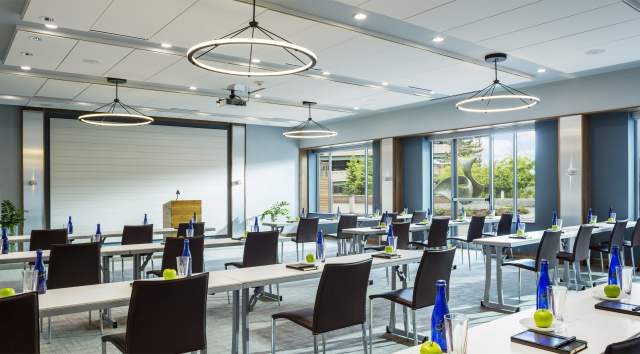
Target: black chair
434, 265
615, 238
44, 239
393, 216
504, 228
74, 265
306, 233
418, 216
345, 222
20, 325
173, 247
547, 249
579, 254
401, 231
134, 235
633, 243
340, 303
179, 304
629, 346
260, 249
473, 232
198, 229
437, 234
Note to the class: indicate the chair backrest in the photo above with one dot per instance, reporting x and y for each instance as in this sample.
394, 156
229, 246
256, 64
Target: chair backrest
341, 296
74, 265
179, 305
43, 239
307, 230
173, 247
198, 229
617, 234
418, 216
548, 248
20, 325
629, 346
504, 225
260, 248
136, 234
581, 245
475, 228
434, 265
635, 238
347, 222
393, 216
438, 232
401, 230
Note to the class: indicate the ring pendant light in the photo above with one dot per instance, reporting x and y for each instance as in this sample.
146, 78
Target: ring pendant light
480, 102
117, 114
273, 40
309, 129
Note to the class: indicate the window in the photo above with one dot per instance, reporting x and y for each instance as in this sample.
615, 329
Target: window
485, 170
345, 180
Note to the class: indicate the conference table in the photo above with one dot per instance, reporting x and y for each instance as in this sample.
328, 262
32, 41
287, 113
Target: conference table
599, 328
280, 224
494, 246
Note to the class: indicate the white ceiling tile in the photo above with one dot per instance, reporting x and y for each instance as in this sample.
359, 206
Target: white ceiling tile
93, 58
47, 52
401, 9
139, 18
142, 64
321, 91
76, 14
386, 99
19, 85
61, 89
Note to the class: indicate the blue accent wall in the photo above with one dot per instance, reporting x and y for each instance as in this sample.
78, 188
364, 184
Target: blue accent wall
546, 172
416, 173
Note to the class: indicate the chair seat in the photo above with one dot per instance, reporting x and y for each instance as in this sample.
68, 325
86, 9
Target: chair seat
302, 317
118, 340
565, 256
602, 247
234, 264
456, 238
527, 263
401, 296
331, 235
156, 272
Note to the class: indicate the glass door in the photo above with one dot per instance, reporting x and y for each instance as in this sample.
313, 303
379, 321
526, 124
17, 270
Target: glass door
473, 164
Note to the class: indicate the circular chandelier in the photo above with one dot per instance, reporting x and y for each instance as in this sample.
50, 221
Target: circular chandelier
273, 40
309, 129
116, 114
486, 101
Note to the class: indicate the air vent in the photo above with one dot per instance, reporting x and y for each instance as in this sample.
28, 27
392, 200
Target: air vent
635, 4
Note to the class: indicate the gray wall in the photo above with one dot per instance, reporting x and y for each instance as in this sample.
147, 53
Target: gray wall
416, 173
546, 173
11, 154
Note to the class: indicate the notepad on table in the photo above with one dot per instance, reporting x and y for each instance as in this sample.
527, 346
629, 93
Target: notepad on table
302, 266
550, 342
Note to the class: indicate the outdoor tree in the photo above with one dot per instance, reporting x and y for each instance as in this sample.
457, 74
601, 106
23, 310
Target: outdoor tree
354, 183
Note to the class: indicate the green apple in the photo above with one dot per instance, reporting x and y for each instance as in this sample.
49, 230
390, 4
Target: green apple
611, 220
388, 249
383, 225
555, 227
310, 258
6, 292
543, 318
612, 291
430, 347
520, 233
169, 274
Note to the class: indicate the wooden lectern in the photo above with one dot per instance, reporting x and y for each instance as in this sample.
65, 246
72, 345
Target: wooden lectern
175, 212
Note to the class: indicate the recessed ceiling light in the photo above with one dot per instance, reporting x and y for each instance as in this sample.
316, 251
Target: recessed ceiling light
360, 16
542, 70
166, 45
432, 92
192, 88
7, 97
202, 113
257, 95
437, 39
595, 51
255, 60
326, 73
49, 22
83, 104
385, 84
51, 25
35, 38
25, 67
356, 108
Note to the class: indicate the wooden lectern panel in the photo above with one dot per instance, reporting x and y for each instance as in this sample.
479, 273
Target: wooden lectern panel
175, 212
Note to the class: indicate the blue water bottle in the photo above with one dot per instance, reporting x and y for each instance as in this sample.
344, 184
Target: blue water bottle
542, 299
437, 316
428, 214
320, 246
554, 218
338, 213
146, 220
589, 215
69, 227
463, 214
42, 275
613, 264
186, 252
610, 213
256, 226
195, 217
390, 235
190, 229
97, 238
5, 241
302, 213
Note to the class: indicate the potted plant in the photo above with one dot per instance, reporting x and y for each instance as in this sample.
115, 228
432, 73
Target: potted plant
10, 216
278, 209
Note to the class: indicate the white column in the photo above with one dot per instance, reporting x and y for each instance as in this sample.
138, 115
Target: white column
570, 169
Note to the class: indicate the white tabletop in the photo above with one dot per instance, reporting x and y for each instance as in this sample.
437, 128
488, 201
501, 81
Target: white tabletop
295, 222
381, 231
599, 328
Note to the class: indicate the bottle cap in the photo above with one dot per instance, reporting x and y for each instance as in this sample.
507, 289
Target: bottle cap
441, 282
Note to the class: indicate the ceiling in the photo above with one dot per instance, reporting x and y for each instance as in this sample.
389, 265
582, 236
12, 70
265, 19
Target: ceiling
122, 38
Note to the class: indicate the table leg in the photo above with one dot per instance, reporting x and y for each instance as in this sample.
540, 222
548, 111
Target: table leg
244, 314
391, 328
486, 302
136, 267
392, 311
106, 278
235, 321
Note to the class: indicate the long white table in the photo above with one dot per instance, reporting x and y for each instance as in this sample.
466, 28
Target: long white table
494, 246
599, 328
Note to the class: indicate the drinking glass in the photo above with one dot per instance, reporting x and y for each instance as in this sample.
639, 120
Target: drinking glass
29, 280
625, 274
559, 223
405, 211
182, 265
594, 219
456, 326
395, 243
613, 216
557, 296
521, 228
